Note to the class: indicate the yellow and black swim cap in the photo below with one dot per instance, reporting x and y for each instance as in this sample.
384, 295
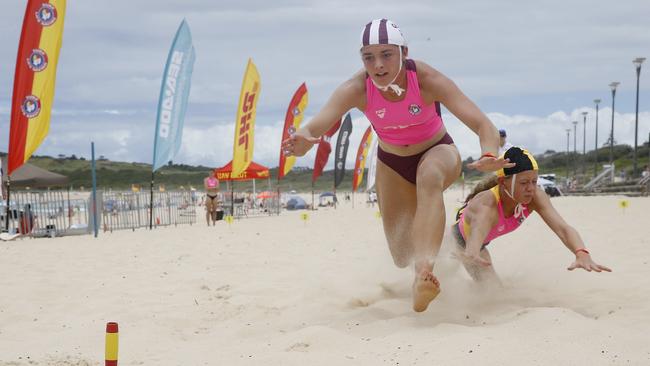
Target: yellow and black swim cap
523, 161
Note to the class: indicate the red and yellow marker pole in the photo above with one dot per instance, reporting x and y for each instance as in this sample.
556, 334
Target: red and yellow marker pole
111, 344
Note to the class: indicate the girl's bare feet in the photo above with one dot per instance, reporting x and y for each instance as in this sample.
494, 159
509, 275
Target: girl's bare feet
425, 288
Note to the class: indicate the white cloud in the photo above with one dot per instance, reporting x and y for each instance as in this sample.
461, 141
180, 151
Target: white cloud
541, 133
537, 133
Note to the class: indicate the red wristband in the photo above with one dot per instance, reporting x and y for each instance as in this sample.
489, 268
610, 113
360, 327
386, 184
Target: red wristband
487, 155
581, 250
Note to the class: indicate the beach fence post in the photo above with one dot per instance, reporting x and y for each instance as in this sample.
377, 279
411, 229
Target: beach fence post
232, 198
312, 195
112, 342
94, 179
151, 203
462, 180
8, 208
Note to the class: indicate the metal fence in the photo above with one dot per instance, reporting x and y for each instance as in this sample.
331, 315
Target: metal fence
241, 204
54, 213
44, 213
130, 210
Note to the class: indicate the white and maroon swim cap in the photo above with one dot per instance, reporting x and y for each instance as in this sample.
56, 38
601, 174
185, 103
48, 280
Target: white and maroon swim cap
382, 31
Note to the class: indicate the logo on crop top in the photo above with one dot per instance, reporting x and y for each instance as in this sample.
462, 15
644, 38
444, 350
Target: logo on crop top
415, 109
381, 112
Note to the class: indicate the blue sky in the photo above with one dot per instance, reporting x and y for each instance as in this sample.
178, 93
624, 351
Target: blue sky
531, 66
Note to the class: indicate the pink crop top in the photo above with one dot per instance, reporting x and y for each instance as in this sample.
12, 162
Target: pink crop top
504, 226
406, 122
213, 182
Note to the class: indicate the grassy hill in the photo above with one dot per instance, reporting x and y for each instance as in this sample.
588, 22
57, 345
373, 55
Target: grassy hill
121, 175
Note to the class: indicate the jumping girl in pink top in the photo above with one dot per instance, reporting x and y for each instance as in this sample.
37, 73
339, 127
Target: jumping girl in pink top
417, 158
502, 203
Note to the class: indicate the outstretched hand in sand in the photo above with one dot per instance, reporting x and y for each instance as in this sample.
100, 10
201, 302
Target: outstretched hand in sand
585, 262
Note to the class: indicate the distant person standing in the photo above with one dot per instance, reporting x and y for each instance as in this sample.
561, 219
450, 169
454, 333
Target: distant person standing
503, 144
2, 183
211, 185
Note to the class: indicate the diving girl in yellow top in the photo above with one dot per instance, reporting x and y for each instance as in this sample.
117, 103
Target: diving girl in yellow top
499, 205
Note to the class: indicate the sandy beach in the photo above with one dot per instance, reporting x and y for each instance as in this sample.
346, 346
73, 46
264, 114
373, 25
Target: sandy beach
280, 290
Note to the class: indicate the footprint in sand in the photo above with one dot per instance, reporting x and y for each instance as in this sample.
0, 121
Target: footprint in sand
388, 291
298, 347
358, 303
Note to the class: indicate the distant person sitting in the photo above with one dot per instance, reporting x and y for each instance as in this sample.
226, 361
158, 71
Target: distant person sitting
503, 144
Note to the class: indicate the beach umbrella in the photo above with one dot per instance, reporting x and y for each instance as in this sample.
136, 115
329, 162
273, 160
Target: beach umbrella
265, 194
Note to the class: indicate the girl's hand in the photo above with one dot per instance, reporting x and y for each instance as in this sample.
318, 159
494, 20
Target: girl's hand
585, 262
298, 144
490, 164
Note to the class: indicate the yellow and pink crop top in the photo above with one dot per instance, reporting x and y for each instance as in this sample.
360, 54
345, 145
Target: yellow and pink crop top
504, 226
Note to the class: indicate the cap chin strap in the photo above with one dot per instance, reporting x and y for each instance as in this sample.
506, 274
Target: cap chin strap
394, 87
519, 208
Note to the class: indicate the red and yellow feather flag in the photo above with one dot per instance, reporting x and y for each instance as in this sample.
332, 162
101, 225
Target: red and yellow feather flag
360, 163
34, 80
292, 120
323, 151
245, 124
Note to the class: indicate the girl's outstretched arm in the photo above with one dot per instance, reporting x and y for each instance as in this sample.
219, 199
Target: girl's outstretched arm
566, 233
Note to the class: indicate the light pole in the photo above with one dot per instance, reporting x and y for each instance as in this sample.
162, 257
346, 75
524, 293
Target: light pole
597, 101
584, 143
613, 86
575, 152
568, 132
637, 62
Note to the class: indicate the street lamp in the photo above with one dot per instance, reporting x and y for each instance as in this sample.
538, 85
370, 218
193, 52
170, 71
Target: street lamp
613, 86
584, 142
568, 131
575, 152
637, 62
597, 101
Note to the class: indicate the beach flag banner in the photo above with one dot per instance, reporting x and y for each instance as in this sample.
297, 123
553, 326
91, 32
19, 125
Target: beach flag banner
34, 79
323, 151
292, 120
372, 165
245, 123
360, 163
174, 93
342, 142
